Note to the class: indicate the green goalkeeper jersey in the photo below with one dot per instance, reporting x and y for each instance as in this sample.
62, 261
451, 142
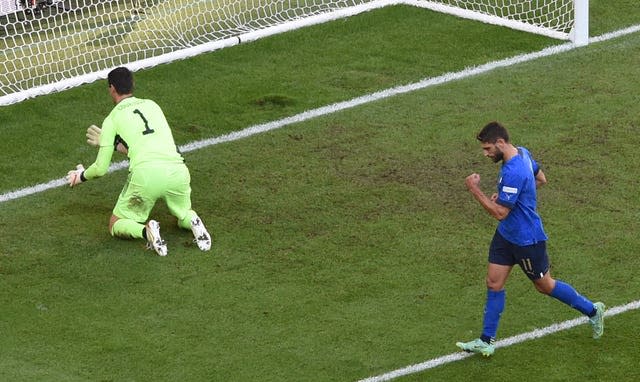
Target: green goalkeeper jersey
141, 124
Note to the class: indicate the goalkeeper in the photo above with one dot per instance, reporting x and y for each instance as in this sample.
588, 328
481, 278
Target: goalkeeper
138, 128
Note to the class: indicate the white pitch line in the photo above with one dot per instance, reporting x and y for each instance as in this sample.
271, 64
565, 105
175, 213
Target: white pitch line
339, 106
538, 333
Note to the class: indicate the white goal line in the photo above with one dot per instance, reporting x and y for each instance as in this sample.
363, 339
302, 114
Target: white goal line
537, 333
336, 107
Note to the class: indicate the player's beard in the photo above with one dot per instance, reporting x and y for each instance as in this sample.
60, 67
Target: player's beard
498, 156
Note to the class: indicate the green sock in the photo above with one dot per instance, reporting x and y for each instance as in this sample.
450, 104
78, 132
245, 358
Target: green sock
128, 229
185, 223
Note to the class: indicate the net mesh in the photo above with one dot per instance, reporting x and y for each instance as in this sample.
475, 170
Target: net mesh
45, 42
551, 14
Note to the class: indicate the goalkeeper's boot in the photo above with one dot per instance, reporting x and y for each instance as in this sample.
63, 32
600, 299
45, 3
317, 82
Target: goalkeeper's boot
477, 346
200, 234
597, 321
154, 241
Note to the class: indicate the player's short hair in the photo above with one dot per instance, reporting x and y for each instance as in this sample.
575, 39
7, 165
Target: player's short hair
122, 80
492, 132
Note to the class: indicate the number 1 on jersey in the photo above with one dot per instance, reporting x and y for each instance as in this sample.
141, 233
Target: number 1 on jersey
147, 129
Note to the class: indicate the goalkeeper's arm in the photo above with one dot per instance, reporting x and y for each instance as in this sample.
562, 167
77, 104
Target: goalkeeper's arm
101, 165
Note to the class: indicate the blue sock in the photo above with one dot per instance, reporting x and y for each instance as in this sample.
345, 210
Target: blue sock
492, 310
567, 294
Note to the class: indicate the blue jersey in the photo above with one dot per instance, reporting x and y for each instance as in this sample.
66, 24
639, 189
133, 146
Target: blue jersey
517, 191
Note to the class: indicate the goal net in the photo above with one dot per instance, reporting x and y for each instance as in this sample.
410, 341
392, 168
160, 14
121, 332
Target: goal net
52, 45
561, 19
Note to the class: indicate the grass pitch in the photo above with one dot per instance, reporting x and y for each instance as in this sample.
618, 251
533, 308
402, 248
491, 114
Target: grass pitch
345, 246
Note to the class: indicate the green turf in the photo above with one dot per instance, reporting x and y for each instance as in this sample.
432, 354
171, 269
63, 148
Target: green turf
345, 246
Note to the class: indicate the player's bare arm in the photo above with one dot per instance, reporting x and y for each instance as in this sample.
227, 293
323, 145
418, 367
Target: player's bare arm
496, 210
541, 179
121, 148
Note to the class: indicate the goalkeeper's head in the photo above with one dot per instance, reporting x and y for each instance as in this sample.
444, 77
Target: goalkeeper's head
121, 81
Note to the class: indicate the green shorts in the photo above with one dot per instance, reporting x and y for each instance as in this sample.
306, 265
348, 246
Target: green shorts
146, 185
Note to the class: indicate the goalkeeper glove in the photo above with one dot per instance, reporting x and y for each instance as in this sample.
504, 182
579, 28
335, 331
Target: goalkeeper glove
76, 176
93, 135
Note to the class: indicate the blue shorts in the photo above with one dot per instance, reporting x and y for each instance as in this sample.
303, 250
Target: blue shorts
532, 259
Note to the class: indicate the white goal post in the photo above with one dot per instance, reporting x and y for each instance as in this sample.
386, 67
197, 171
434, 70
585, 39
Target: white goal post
53, 45
561, 19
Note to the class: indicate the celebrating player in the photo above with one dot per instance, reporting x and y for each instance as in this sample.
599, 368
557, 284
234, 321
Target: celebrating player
138, 128
519, 239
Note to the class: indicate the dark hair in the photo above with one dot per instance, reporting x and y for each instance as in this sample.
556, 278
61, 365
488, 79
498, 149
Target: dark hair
492, 132
122, 80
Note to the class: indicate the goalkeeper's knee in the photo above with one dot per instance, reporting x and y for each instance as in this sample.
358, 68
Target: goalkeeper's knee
126, 228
